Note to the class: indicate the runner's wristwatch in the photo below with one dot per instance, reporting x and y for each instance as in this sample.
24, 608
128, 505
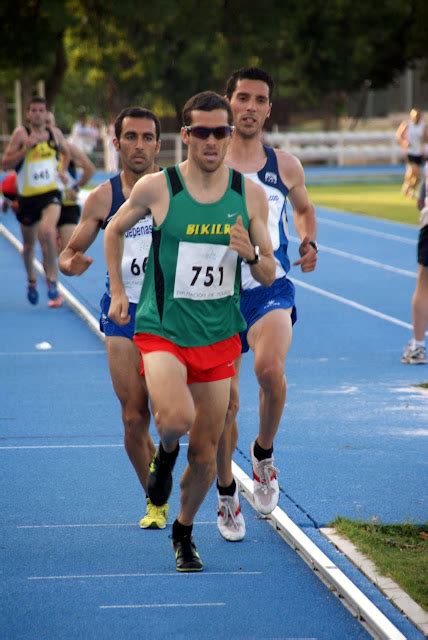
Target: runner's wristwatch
314, 245
256, 258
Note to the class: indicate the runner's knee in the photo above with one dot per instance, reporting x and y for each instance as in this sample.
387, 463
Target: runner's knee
27, 246
271, 375
47, 234
174, 420
136, 422
203, 458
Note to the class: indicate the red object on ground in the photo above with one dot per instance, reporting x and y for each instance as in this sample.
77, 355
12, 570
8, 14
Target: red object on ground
8, 186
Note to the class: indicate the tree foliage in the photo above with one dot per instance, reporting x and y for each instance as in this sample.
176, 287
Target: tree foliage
109, 54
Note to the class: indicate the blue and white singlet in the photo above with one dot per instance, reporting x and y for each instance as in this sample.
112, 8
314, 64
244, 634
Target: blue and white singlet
276, 191
136, 246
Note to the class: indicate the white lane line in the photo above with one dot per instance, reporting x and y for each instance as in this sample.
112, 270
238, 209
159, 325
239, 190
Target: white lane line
72, 301
361, 260
76, 526
353, 304
61, 446
366, 231
167, 574
68, 446
170, 605
96, 524
323, 567
51, 353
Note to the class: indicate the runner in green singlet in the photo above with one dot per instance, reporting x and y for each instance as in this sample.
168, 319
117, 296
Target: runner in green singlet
206, 220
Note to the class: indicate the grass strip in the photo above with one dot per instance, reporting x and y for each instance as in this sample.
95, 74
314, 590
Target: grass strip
376, 200
399, 551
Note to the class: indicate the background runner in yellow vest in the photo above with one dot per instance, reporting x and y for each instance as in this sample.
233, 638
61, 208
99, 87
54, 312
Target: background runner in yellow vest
33, 152
80, 171
206, 219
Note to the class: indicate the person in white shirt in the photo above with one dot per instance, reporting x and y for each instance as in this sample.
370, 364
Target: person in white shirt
84, 135
415, 350
412, 134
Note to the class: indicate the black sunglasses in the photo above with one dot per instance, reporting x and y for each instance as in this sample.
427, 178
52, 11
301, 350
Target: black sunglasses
204, 132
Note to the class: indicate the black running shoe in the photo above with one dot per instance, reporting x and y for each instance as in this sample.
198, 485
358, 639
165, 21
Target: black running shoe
32, 293
160, 480
186, 556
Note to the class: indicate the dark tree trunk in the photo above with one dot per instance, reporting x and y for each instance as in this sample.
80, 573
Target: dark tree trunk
56, 76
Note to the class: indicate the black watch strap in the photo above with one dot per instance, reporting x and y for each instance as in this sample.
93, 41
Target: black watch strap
314, 245
256, 256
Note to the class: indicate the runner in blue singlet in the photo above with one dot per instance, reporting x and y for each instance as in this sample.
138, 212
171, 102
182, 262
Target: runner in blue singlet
269, 311
137, 141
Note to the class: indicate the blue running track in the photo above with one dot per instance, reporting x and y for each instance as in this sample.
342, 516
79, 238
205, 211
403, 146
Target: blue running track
352, 442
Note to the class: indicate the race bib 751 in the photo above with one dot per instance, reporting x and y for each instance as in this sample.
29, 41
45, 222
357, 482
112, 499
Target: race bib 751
205, 271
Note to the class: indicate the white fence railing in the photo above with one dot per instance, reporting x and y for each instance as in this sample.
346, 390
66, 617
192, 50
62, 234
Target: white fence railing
331, 147
339, 147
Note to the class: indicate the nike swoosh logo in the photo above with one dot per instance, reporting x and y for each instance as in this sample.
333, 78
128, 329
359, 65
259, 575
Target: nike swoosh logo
232, 215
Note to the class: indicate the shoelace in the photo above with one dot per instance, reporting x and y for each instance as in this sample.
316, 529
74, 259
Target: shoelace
415, 352
265, 470
227, 509
151, 510
187, 550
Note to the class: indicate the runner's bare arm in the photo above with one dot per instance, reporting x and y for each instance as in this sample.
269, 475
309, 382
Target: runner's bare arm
401, 135
82, 161
72, 260
17, 148
293, 176
258, 234
65, 153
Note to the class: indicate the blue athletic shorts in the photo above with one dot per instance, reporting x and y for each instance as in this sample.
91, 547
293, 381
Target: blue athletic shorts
110, 328
256, 303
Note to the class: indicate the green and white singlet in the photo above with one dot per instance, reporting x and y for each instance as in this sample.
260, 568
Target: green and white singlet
190, 294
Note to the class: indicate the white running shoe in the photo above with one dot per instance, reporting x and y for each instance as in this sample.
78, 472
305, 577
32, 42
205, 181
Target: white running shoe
265, 484
414, 355
230, 521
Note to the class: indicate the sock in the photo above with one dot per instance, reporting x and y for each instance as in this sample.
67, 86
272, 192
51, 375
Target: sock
419, 343
181, 531
227, 491
262, 454
170, 458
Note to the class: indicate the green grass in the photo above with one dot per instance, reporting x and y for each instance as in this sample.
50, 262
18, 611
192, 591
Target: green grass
399, 552
379, 200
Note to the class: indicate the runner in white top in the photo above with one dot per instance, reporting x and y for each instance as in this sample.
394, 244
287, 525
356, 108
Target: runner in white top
268, 311
137, 141
412, 134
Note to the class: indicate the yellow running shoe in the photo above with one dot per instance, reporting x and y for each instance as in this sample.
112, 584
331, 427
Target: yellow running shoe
155, 517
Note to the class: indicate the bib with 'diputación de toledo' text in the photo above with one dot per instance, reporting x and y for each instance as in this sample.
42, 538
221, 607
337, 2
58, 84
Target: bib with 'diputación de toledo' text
191, 291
